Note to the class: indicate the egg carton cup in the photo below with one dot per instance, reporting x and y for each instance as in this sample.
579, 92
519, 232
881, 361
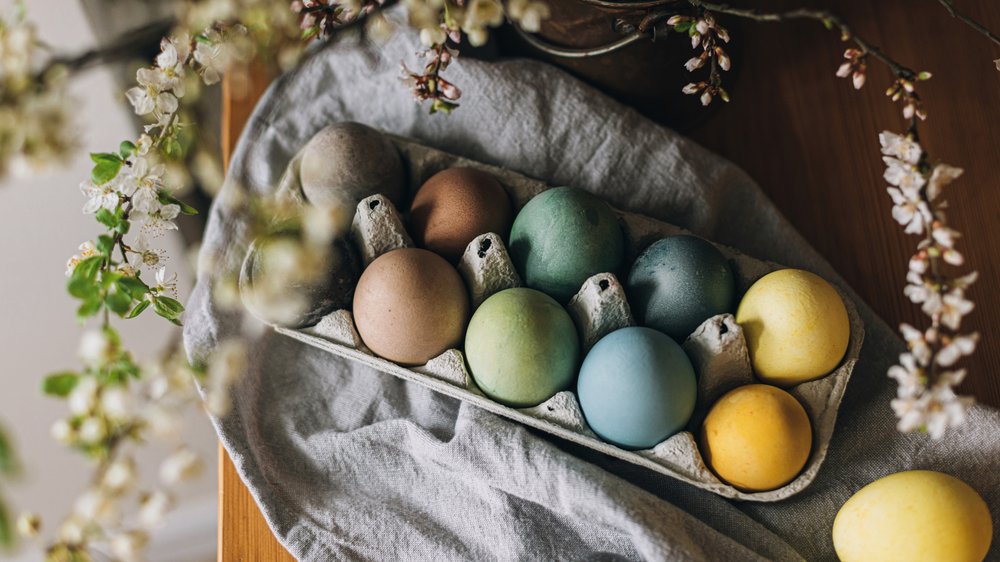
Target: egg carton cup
717, 348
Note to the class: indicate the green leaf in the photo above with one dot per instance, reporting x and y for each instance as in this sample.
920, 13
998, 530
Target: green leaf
6, 527
126, 149
107, 218
683, 26
171, 148
118, 301
168, 199
60, 384
8, 461
168, 308
90, 307
828, 23
105, 244
81, 287
138, 309
133, 286
106, 167
88, 267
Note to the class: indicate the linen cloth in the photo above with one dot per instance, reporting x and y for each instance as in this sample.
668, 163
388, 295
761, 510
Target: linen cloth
348, 463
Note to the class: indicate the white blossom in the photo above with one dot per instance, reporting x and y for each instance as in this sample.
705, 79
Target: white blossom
182, 465
908, 211
128, 546
99, 196
954, 306
87, 249
28, 525
917, 342
96, 349
942, 175
143, 185
83, 397
173, 56
165, 285
909, 375
153, 94
93, 430
903, 175
157, 221
215, 53
95, 505
899, 146
153, 508
528, 13
119, 476
958, 347
430, 36
62, 431
116, 403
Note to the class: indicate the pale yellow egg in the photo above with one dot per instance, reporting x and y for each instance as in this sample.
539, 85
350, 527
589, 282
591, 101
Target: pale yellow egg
796, 327
756, 437
913, 516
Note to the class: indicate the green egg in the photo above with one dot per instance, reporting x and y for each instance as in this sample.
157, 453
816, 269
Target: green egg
522, 347
563, 236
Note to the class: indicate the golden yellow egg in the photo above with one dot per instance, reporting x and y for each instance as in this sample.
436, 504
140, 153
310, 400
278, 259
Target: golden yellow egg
913, 516
796, 327
756, 437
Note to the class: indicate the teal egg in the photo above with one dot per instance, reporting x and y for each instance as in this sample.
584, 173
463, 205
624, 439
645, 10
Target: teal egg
522, 347
563, 236
678, 283
636, 388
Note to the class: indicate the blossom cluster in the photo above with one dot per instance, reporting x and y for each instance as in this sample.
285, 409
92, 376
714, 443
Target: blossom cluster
706, 34
35, 110
116, 405
926, 374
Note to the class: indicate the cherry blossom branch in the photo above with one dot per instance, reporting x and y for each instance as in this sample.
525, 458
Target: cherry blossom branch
950, 6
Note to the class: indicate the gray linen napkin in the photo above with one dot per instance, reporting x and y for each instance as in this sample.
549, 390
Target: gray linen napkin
349, 463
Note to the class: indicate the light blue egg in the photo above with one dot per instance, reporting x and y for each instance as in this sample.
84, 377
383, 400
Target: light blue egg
636, 388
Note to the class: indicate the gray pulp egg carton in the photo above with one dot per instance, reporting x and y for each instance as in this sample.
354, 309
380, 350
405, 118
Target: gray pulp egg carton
717, 348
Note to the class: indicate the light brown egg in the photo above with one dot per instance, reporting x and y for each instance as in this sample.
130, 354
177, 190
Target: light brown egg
410, 305
456, 205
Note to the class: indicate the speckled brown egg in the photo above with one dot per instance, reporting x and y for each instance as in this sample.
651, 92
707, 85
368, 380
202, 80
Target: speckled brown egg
410, 305
456, 205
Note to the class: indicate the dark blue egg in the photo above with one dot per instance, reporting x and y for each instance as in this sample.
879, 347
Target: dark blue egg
678, 283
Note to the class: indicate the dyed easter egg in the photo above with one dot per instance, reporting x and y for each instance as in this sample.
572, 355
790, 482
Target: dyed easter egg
456, 205
410, 306
522, 347
913, 516
346, 162
281, 284
636, 388
561, 237
796, 327
756, 437
678, 283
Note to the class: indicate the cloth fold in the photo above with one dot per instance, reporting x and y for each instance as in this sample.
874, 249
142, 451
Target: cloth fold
348, 463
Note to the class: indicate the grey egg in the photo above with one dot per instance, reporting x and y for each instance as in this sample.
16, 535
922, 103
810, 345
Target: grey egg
346, 162
298, 303
678, 283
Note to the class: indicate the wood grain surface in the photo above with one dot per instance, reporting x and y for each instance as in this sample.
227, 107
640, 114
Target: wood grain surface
810, 140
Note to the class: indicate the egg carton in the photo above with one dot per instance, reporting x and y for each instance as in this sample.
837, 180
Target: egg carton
717, 347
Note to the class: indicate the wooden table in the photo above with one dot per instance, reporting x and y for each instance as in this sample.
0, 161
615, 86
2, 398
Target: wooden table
810, 141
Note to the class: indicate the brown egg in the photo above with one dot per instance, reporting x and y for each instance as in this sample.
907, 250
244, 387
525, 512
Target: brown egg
456, 205
410, 305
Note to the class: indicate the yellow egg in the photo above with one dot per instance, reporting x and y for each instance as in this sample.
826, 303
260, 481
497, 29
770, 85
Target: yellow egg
919, 515
756, 437
796, 327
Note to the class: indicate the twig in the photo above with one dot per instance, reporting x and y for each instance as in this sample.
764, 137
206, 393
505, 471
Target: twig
122, 48
950, 6
828, 19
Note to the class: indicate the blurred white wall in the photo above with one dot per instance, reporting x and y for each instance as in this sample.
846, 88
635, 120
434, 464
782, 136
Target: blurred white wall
41, 226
